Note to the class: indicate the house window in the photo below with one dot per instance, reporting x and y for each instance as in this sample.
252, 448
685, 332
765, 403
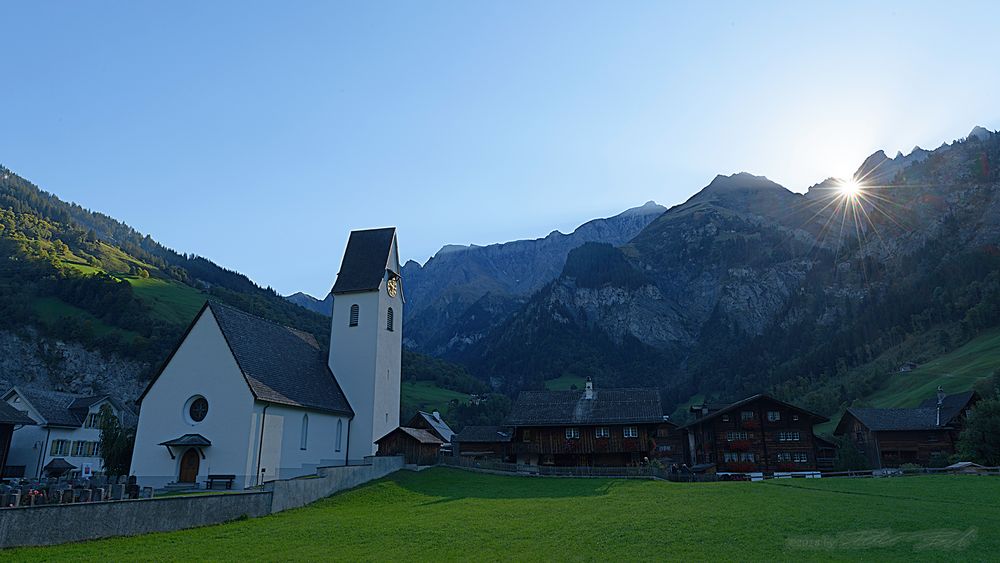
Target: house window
93, 420
303, 439
572, 433
738, 456
602, 432
388, 320
746, 415
801, 457
355, 312
773, 416
739, 435
859, 436
340, 433
630, 432
526, 435
789, 436
725, 418
59, 447
79, 447
795, 417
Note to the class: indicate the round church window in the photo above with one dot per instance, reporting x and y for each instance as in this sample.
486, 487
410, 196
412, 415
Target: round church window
198, 409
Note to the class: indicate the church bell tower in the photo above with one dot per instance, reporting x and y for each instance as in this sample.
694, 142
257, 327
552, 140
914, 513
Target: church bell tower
366, 336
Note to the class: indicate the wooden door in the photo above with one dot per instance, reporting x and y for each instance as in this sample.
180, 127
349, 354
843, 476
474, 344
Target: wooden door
189, 466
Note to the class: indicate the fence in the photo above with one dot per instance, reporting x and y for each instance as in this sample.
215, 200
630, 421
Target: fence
632, 472
56, 524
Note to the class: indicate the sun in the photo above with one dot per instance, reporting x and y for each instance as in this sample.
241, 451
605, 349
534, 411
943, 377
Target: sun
850, 189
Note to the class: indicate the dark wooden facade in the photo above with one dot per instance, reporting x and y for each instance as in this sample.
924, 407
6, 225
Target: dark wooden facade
417, 446
758, 434
618, 445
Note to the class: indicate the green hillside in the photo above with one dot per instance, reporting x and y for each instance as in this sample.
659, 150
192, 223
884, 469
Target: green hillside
452, 515
955, 372
428, 397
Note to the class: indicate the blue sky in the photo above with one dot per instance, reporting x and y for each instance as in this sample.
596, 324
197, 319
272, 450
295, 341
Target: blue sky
259, 134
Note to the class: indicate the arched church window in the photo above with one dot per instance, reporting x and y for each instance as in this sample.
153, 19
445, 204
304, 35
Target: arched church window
355, 312
340, 433
305, 432
388, 319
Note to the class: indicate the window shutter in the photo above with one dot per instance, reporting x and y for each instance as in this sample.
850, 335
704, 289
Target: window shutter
355, 312
388, 320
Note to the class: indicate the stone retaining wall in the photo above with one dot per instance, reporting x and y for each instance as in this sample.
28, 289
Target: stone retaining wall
64, 523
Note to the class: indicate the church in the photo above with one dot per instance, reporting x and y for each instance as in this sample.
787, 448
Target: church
245, 397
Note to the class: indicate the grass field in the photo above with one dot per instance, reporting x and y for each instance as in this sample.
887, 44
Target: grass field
427, 397
51, 310
172, 301
448, 514
955, 372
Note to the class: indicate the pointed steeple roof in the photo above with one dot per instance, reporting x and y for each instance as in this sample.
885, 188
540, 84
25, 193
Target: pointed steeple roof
365, 260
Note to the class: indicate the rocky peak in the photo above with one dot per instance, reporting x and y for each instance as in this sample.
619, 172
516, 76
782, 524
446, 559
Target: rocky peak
980, 133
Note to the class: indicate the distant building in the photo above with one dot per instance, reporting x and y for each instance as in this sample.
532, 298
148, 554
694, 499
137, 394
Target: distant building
756, 434
484, 442
906, 367
592, 427
420, 440
66, 427
11, 419
893, 437
247, 397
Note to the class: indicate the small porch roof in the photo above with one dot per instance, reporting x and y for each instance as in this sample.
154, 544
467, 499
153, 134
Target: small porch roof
194, 440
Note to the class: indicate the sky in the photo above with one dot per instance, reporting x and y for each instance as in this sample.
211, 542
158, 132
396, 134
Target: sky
259, 134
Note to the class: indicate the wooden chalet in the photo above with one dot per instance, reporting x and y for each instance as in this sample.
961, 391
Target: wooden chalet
484, 442
756, 434
893, 437
433, 423
593, 427
416, 445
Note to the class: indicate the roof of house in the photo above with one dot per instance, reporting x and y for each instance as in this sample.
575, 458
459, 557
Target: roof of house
281, 365
437, 425
59, 464
952, 405
923, 417
483, 434
609, 406
817, 418
365, 260
418, 434
58, 408
10, 415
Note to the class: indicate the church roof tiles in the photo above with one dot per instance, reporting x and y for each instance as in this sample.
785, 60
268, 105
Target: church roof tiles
365, 260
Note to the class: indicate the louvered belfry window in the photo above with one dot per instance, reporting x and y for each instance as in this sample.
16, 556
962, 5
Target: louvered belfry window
355, 312
388, 319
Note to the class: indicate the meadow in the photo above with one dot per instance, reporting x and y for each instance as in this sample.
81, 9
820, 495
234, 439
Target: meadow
449, 514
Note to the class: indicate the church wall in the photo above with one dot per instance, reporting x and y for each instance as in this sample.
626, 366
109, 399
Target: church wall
352, 360
283, 457
203, 365
388, 359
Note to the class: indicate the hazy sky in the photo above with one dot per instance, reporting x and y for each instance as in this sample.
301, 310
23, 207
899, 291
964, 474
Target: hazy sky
258, 135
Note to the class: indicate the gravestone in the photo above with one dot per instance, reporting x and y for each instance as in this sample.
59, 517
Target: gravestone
117, 492
67, 496
147, 492
4, 500
14, 499
85, 495
132, 491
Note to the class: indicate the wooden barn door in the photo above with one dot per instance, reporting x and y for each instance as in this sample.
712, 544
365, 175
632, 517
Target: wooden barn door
189, 466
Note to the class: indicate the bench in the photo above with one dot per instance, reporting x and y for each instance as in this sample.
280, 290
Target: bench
228, 479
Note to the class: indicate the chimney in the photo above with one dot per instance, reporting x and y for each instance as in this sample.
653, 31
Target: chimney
588, 392
940, 397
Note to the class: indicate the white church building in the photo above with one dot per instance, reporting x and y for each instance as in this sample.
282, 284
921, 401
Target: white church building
247, 397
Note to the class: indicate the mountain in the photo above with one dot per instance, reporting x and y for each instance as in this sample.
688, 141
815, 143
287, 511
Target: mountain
89, 305
463, 291
307, 301
748, 286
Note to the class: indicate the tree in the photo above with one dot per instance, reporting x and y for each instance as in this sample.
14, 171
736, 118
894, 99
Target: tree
988, 387
980, 441
116, 444
848, 457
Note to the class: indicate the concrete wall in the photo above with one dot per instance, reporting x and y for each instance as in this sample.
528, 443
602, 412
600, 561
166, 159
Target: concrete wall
300, 492
52, 525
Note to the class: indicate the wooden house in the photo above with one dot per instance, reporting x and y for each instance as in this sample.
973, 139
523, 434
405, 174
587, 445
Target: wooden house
602, 427
484, 442
756, 434
920, 435
416, 445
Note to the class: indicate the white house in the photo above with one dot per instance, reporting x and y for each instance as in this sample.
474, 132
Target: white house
67, 427
244, 396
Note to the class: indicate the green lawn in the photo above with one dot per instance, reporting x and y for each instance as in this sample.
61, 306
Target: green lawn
955, 372
170, 300
52, 310
427, 397
565, 383
448, 514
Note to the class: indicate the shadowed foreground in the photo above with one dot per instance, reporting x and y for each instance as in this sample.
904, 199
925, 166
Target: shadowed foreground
451, 514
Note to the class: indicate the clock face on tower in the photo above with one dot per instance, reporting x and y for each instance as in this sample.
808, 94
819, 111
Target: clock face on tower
392, 286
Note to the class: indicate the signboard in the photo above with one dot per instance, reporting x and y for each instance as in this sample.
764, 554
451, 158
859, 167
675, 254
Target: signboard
88, 470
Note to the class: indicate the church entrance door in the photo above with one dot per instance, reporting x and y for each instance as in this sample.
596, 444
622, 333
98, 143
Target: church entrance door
189, 466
